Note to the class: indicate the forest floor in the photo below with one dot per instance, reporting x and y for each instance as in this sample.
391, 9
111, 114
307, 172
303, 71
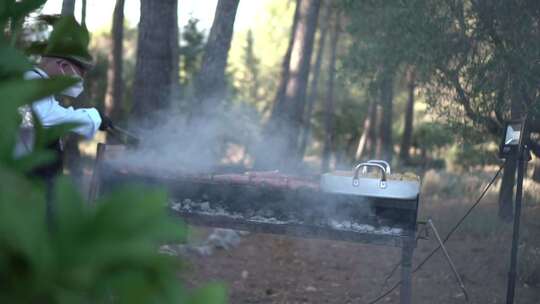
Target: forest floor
277, 269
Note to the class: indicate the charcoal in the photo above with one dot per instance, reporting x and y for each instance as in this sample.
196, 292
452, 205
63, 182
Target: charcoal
284, 206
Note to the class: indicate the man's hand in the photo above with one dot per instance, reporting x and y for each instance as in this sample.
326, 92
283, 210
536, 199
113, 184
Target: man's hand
106, 122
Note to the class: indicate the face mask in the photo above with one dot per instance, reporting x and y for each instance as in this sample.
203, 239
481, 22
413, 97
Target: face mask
74, 90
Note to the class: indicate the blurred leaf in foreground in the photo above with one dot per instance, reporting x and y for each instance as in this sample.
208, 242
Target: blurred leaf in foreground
107, 253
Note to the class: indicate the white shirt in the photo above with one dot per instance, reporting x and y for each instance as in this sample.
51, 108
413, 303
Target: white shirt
51, 113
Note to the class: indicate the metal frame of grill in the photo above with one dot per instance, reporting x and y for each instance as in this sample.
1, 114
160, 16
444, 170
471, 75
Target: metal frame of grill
208, 200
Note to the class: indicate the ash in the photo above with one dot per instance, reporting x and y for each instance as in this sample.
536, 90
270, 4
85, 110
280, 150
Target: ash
219, 239
363, 228
189, 206
265, 216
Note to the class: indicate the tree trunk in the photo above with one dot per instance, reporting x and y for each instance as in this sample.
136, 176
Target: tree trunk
115, 84
409, 117
174, 45
157, 54
83, 13
387, 94
282, 129
210, 87
265, 159
277, 109
68, 7
295, 92
373, 133
363, 143
313, 90
329, 101
351, 148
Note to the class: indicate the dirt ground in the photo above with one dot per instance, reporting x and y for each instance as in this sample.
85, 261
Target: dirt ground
278, 269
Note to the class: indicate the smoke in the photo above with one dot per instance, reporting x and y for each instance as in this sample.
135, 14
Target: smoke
173, 141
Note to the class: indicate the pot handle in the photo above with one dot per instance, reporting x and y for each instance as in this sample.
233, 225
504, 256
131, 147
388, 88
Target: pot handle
382, 182
381, 162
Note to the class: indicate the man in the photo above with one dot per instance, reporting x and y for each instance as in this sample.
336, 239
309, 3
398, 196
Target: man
49, 111
66, 54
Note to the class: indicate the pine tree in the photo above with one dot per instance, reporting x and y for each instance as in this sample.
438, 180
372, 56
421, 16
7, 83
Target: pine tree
191, 51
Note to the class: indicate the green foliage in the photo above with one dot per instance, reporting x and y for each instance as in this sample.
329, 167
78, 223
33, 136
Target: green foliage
92, 254
349, 113
248, 88
12, 13
249, 84
191, 51
465, 156
382, 35
106, 253
477, 61
481, 55
431, 135
95, 88
262, 56
95, 85
12, 63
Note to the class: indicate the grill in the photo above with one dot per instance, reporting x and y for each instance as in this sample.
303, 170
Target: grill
367, 204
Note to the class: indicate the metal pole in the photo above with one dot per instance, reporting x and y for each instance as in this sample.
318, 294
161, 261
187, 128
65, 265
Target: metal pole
405, 293
456, 273
523, 153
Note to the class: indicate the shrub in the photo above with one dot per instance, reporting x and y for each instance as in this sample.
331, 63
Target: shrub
464, 157
104, 254
446, 184
430, 136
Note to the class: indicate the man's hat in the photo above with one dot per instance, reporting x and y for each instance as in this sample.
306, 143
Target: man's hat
68, 40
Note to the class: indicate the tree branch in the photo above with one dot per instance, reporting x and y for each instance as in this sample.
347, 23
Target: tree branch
489, 123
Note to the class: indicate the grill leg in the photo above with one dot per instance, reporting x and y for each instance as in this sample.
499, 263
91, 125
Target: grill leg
405, 293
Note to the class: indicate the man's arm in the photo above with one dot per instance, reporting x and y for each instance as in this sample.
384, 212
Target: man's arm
51, 113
